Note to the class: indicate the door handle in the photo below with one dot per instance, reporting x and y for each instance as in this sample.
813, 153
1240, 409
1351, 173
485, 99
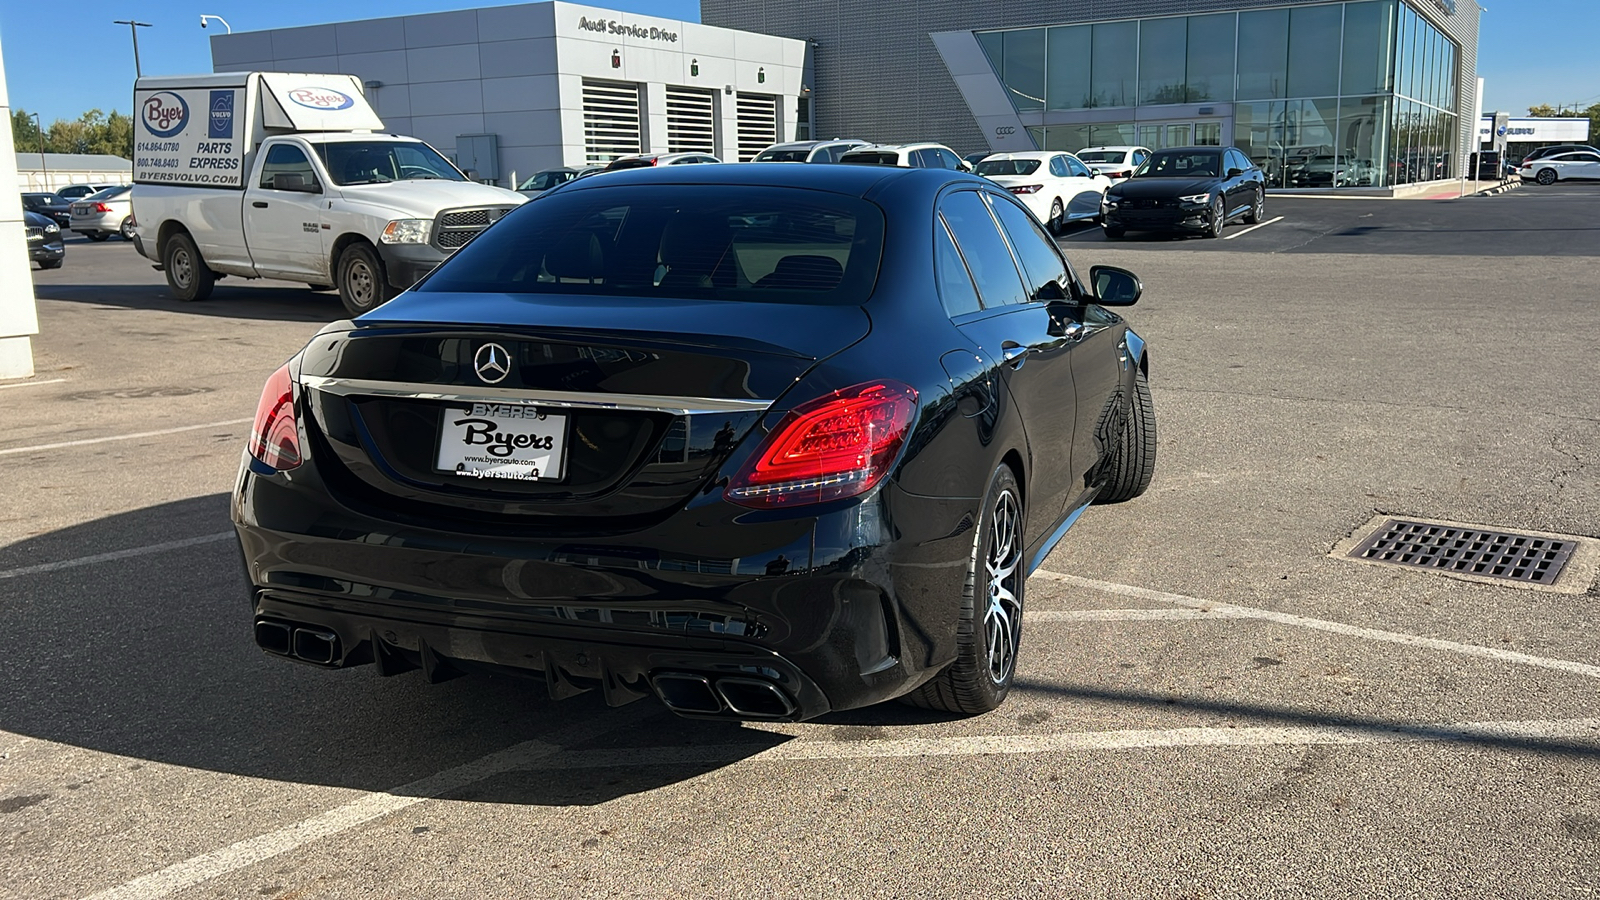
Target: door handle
259, 204
1015, 354
1073, 331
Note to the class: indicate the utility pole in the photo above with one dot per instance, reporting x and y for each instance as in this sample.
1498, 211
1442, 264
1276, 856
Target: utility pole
39, 124
133, 29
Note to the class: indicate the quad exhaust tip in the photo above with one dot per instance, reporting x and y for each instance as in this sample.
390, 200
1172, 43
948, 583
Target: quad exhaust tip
696, 695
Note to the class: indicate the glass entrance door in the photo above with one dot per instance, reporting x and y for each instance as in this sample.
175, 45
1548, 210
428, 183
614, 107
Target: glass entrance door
1208, 134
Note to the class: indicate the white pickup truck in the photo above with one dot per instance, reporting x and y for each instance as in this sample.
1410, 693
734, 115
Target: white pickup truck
284, 175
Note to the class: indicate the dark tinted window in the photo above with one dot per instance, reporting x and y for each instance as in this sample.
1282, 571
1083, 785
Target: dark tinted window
1181, 163
875, 158
955, 284
677, 241
946, 158
1036, 250
783, 155
1008, 167
984, 249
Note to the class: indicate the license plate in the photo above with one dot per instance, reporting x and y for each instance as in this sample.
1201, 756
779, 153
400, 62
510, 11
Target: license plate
504, 441
80, 210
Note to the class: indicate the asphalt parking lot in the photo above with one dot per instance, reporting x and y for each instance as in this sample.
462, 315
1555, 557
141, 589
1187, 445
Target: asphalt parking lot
1209, 703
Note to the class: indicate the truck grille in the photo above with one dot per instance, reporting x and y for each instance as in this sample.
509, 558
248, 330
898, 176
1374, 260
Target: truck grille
454, 227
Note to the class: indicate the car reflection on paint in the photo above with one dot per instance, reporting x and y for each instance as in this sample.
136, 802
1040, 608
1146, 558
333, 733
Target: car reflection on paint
760, 441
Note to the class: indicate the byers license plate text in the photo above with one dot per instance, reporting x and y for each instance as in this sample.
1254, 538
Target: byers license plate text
502, 440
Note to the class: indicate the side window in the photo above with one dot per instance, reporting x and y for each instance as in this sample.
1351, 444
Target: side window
1139, 156
948, 160
1058, 166
1079, 170
924, 159
286, 159
955, 283
1037, 251
986, 253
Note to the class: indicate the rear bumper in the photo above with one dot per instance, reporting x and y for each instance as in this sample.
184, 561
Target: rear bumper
836, 611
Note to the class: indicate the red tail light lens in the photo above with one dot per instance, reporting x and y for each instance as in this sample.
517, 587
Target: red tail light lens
1026, 189
101, 207
836, 446
275, 437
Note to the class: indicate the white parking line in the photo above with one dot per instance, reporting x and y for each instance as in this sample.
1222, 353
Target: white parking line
122, 437
1127, 615
116, 554
31, 383
363, 809
1133, 739
1370, 634
1252, 228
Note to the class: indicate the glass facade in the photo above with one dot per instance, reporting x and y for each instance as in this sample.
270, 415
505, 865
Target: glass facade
1348, 94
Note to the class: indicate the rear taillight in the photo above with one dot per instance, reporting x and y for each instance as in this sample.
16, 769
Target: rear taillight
274, 438
101, 207
836, 446
1121, 174
1025, 189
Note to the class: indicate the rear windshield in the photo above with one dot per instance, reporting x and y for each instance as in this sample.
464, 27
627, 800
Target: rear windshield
1101, 156
675, 241
782, 155
1008, 167
872, 159
110, 193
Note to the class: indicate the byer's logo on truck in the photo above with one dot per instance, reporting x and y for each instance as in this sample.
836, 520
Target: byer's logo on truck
321, 98
164, 114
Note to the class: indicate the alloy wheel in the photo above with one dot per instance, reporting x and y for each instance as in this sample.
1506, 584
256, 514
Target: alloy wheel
1002, 616
1217, 220
1547, 176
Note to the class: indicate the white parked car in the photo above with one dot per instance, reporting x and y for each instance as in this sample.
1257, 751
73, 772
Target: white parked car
99, 216
1560, 167
1057, 186
809, 151
1116, 163
77, 191
911, 156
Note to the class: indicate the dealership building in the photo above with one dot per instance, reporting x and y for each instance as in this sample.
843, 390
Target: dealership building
1383, 89
510, 90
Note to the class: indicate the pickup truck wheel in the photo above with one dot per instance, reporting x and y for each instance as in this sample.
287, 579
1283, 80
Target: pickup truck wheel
187, 274
363, 285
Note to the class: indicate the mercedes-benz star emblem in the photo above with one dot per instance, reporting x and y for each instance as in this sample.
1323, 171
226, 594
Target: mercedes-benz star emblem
492, 363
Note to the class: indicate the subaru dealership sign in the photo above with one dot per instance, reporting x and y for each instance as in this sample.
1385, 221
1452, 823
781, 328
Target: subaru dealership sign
1531, 130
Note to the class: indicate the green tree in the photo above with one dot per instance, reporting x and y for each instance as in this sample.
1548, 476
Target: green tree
92, 132
1546, 111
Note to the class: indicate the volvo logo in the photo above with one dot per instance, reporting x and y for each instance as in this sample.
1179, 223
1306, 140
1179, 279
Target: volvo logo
1003, 130
492, 363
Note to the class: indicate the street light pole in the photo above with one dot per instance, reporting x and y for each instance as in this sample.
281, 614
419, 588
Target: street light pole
133, 29
39, 124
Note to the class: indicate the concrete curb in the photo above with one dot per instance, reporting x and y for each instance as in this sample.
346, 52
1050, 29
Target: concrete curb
1498, 189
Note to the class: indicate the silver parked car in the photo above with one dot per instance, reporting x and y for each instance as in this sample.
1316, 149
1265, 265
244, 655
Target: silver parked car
99, 216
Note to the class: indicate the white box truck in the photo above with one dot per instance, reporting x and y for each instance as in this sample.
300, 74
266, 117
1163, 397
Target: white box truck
289, 176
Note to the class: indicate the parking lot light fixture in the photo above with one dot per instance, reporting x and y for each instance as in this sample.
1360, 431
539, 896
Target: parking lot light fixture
204, 19
133, 29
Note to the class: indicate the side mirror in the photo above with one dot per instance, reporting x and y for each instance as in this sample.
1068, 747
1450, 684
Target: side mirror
964, 166
1114, 286
293, 181
1235, 173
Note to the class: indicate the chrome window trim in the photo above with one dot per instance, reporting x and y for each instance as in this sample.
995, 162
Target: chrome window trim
682, 406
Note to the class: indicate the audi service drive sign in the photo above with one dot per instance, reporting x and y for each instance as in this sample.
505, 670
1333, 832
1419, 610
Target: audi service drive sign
199, 130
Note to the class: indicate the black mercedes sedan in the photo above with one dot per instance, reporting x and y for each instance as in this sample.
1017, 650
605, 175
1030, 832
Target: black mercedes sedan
762, 441
1186, 189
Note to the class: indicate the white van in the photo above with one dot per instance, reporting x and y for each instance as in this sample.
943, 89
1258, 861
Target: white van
285, 175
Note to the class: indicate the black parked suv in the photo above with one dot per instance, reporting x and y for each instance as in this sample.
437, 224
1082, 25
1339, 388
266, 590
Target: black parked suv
44, 240
1193, 189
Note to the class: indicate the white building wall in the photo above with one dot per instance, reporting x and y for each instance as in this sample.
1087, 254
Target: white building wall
517, 72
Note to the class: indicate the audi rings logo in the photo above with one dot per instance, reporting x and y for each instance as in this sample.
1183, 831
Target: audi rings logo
492, 363
1004, 130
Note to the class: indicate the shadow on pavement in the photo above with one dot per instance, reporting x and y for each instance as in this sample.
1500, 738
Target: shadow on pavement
233, 299
152, 658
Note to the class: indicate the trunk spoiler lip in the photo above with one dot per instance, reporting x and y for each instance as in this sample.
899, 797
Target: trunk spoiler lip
682, 406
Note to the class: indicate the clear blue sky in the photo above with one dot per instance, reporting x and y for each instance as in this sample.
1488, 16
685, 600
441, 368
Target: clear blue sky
64, 56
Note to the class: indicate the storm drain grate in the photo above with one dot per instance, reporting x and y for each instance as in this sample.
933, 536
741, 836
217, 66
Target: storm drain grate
1467, 551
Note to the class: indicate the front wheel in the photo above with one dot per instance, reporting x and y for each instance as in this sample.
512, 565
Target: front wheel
1218, 219
362, 284
1546, 177
1115, 232
1133, 462
50, 263
187, 274
989, 626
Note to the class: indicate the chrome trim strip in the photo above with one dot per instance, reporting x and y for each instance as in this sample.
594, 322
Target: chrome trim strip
682, 406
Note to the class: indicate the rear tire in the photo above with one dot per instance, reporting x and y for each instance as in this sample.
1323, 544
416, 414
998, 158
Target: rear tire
1058, 217
1134, 464
363, 284
1258, 209
126, 229
989, 629
1546, 177
188, 277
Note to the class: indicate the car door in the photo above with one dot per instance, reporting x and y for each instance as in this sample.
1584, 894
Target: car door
1085, 186
1237, 185
283, 228
1583, 165
1014, 331
1093, 336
